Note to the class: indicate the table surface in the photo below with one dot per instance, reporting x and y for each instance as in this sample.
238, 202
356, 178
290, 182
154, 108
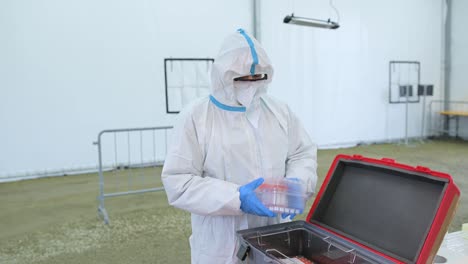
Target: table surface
455, 247
454, 113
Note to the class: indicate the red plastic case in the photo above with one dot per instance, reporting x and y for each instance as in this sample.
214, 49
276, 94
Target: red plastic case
416, 186
367, 211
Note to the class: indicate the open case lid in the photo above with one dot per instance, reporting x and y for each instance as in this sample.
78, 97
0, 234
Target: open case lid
385, 206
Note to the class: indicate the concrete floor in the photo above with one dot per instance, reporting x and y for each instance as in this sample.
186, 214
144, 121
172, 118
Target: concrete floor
54, 220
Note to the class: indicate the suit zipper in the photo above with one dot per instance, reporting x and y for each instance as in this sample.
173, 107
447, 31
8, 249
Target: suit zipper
257, 148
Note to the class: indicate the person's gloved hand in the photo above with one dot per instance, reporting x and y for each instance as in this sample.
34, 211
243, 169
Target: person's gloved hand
294, 201
250, 203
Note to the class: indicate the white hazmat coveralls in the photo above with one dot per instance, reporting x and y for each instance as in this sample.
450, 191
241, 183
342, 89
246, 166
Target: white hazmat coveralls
228, 139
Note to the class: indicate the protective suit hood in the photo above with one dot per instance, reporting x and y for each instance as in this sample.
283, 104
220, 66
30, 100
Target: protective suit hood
240, 55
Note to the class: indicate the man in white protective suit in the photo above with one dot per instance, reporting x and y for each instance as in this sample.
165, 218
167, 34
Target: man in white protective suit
225, 144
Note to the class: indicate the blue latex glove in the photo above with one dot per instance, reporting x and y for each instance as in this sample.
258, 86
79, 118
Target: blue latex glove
250, 203
296, 202
291, 216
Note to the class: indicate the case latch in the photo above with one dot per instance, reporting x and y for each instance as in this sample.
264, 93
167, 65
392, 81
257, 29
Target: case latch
243, 251
388, 160
423, 169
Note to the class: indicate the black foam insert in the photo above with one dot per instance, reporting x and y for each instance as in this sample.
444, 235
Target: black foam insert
388, 209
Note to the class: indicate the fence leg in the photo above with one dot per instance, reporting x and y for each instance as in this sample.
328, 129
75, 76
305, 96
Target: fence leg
101, 209
102, 213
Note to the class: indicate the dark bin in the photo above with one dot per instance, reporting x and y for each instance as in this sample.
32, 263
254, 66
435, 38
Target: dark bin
284, 243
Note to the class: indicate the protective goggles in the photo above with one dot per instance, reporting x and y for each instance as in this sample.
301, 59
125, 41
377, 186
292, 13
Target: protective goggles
251, 78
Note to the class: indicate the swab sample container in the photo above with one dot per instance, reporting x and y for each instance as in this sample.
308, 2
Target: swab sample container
282, 195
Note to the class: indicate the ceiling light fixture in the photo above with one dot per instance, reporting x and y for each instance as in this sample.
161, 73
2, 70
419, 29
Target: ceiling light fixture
310, 22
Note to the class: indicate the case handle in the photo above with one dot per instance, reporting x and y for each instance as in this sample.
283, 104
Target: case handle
277, 251
351, 251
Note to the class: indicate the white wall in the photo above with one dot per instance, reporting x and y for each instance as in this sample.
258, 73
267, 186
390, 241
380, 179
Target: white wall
337, 81
459, 51
69, 69
459, 58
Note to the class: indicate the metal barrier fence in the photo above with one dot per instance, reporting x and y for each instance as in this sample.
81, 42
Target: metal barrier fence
444, 117
125, 158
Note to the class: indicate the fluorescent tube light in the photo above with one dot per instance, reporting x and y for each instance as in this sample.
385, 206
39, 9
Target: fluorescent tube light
310, 22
